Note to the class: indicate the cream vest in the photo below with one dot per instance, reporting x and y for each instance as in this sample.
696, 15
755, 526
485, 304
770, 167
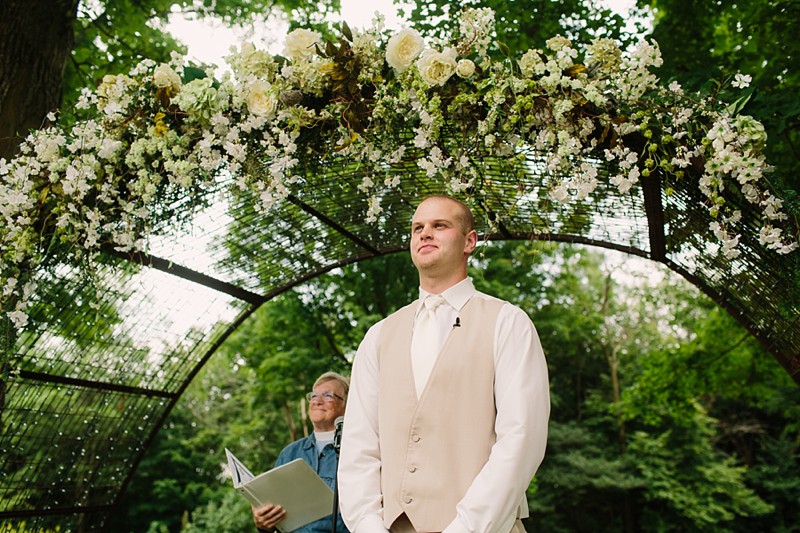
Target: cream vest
432, 449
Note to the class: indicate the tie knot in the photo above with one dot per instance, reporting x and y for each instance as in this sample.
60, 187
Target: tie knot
433, 301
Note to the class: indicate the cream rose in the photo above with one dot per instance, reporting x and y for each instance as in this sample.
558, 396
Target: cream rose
465, 68
300, 44
437, 67
403, 48
166, 78
260, 100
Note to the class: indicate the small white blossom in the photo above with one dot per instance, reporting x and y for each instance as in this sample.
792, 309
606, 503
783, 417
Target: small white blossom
18, 317
741, 81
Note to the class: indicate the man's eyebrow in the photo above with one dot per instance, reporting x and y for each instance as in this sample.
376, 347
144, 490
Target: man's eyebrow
435, 221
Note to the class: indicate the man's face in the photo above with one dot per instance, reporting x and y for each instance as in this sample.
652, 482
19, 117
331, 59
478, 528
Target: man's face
438, 242
322, 412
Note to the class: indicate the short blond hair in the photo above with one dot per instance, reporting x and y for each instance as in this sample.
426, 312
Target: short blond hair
334, 376
465, 218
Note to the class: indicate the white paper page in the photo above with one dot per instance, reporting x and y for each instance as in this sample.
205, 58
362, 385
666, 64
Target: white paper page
239, 472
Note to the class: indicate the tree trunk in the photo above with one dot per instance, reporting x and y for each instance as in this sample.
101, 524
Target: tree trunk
36, 38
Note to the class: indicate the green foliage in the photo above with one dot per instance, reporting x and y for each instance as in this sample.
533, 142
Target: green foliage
231, 514
524, 24
695, 486
775, 477
701, 434
178, 474
23, 527
583, 478
754, 37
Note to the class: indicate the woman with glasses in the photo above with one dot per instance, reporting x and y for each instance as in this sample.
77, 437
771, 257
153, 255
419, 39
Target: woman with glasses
326, 403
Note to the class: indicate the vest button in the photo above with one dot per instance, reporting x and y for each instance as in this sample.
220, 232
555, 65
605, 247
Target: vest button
412, 469
415, 438
408, 499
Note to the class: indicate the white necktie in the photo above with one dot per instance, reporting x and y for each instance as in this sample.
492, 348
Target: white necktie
425, 342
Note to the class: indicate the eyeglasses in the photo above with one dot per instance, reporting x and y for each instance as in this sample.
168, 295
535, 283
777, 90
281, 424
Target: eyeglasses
326, 396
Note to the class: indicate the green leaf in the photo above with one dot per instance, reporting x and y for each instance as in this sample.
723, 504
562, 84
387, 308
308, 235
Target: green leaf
193, 73
504, 48
736, 107
346, 31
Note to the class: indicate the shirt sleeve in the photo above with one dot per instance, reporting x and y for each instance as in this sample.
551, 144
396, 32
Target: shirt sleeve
360, 499
522, 398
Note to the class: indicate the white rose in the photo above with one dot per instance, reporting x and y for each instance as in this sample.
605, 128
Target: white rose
437, 67
300, 44
465, 68
260, 100
165, 77
403, 48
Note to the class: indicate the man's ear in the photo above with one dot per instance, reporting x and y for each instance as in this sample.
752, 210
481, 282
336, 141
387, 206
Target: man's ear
472, 241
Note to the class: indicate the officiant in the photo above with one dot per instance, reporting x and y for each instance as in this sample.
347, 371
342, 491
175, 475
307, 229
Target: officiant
326, 403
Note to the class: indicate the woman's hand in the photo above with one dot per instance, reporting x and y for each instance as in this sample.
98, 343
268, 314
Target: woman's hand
267, 516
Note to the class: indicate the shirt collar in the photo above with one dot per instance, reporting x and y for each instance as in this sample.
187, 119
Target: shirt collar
311, 441
456, 296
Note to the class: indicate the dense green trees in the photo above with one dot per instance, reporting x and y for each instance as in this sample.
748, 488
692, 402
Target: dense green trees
703, 40
667, 415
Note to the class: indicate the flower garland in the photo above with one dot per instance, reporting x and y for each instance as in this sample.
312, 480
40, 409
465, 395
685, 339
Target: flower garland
163, 132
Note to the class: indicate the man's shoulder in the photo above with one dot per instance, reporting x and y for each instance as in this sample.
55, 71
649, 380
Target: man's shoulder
409, 307
491, 299
506, 308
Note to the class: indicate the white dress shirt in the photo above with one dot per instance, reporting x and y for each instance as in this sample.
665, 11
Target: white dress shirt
522, 399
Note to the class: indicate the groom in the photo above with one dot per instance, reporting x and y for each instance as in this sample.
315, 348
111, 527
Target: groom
446, 422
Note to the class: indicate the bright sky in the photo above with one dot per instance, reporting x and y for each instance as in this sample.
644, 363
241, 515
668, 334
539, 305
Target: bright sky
209, 41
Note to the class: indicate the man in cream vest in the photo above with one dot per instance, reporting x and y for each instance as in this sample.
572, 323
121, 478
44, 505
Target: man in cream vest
446, 421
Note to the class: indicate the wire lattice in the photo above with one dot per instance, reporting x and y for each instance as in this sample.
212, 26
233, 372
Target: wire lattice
104, 359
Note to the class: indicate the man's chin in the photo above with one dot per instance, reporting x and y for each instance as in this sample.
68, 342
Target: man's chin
424, 261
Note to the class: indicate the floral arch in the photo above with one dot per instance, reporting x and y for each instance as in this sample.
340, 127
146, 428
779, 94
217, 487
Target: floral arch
135, 240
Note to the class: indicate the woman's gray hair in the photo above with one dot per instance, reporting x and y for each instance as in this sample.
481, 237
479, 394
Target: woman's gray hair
334, 376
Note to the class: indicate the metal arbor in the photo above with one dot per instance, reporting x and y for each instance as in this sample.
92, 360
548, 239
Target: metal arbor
105, 359
109, 350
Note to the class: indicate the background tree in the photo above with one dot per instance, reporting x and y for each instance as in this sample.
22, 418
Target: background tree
702, 40
523, 24
699, 433
249, 397
50, 48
